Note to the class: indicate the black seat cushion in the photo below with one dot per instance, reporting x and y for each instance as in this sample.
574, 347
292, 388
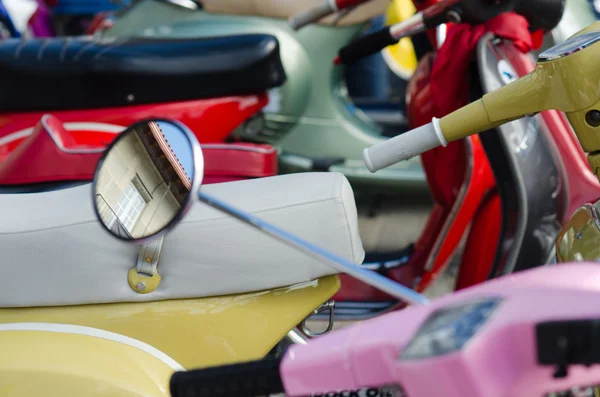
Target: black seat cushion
80, 73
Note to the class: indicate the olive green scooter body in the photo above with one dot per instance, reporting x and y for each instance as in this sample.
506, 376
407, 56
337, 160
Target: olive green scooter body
313, 127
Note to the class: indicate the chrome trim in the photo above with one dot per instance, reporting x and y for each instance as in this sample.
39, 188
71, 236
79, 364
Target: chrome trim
408, 27
327, 307
296, 337
189, 4
59, 144
358, 311
196, 180
440, 34
571, 46
241, 148
595, 215
342, 265
457, 205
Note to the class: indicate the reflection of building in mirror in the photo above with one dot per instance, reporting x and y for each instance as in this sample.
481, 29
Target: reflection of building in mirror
142, 185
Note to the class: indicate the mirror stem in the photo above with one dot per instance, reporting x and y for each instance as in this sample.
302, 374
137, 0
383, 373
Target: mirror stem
368, 276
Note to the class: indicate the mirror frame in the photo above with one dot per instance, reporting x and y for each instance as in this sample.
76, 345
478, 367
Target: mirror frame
198, 160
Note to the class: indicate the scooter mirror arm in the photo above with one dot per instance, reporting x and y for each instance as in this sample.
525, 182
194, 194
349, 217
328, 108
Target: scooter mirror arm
372, 278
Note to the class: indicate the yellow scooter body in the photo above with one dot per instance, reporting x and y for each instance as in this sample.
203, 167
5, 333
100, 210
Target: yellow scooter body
133, 348
401, 57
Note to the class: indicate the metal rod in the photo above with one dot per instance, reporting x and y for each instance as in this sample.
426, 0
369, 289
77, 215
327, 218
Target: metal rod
376, 280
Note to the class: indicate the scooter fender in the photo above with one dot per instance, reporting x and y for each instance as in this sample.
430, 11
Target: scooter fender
68, 360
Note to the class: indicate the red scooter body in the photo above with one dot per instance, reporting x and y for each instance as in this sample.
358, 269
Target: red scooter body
474, 199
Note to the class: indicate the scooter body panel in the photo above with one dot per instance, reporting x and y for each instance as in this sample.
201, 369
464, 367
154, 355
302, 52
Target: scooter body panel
65, 360
579, 239
536, 202
193, 332
311, 117
212, 120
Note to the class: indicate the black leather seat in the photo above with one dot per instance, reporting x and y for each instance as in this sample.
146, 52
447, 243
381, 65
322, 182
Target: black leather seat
80, 73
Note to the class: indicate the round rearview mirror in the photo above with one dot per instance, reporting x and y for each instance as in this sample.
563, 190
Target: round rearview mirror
147, 179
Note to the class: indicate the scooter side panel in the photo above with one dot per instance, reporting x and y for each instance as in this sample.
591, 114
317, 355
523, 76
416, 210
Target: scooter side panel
45, 359
211, 120
528, 169
197, 332
579, 239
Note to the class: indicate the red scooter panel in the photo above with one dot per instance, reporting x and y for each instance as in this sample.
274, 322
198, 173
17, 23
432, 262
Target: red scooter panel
51, 154
212, 120
231, 162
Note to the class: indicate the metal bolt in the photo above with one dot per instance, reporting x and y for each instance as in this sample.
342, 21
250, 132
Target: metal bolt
141, 286
148, 260
130, 98
579, 235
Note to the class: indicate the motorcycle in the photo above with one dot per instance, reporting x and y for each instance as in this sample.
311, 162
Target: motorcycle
129, 83
313, 108
29, 18
544, 315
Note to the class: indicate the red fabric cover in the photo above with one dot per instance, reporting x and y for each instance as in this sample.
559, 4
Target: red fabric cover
450, 87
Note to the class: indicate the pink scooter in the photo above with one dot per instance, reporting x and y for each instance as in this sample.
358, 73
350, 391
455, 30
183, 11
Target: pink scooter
534, 333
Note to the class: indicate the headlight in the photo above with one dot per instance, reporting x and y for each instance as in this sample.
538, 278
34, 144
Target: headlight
447, 330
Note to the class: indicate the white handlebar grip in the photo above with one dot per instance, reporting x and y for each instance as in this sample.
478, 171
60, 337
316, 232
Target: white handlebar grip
404, 147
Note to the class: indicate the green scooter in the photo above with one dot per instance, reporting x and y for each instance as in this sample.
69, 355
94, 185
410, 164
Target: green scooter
311, 119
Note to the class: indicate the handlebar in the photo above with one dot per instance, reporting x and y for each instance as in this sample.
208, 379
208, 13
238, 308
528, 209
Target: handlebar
456, 11
254, 378
404, 147
327, 8
565, 79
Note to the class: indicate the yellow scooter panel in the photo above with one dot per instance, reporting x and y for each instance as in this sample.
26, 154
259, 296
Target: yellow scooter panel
401, 57
52, 360
195, 332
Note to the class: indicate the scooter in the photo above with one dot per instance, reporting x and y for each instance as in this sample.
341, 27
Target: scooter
529, 334
204, 294
29, 18
311, 118
546, 87
357, 299
200, 91
173, 152
545, 313
507, 223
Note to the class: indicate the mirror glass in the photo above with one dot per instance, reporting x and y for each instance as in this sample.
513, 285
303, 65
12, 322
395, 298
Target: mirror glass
143, 183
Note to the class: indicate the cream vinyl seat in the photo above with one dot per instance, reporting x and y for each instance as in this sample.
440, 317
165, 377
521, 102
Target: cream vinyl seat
287, 8
53, 251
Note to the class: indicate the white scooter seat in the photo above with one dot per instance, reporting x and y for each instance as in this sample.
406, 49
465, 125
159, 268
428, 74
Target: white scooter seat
53, 251
287, 8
